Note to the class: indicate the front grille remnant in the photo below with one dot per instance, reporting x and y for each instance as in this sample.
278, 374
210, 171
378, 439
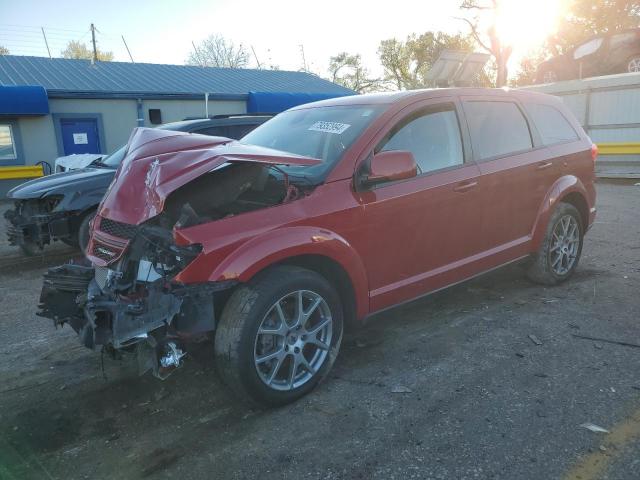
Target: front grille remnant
117, 229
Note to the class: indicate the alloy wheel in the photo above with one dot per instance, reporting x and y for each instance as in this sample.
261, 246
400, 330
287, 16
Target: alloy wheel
634, 65
293, 340
566, 242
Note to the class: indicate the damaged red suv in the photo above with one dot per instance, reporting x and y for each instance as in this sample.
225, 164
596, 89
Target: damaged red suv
322, 216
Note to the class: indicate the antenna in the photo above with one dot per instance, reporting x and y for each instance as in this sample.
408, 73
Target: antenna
93, 40
256, 56
45, 41
304, 60
127, 47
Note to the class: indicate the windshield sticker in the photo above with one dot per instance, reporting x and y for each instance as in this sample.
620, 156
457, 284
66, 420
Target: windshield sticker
329, 127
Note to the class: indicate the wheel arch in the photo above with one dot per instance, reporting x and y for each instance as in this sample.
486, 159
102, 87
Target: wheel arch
319, 250
568, 189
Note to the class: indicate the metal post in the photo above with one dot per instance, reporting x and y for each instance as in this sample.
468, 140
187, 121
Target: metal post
45, 41
93, 40
256, 57
127, 47
206, 105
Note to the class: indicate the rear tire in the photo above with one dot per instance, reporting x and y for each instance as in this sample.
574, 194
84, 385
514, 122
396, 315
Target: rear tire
559, 253
268, 352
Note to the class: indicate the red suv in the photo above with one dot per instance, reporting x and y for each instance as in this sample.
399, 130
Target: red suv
322, 216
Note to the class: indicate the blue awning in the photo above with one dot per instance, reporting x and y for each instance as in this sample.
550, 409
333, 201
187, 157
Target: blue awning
23, 100
275, 102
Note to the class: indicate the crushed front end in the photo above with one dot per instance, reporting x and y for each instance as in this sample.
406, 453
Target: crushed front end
127, 300
129, 295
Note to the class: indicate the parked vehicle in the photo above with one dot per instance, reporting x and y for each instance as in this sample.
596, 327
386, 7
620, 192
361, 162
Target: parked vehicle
321, 217
62, 206
617, 52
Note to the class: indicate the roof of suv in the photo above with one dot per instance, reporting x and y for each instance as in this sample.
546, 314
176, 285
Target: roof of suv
392, 97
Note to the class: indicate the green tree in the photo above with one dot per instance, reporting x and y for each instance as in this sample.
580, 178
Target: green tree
4, 50
79, 50
217, 51
347, 70
407, 63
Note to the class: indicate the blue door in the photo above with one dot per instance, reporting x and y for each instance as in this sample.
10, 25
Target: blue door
80, 135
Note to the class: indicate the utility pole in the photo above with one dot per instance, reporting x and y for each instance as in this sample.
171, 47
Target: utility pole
256, 56
127, 47
197, 54
93, 40
304, 60
45, 41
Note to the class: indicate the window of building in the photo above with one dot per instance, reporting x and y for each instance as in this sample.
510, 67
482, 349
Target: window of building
433, 138
7, 143
497, 128
552, 125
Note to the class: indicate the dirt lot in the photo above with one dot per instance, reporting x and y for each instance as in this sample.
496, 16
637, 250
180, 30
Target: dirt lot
451, 386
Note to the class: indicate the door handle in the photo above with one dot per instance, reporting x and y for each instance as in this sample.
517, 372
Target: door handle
465, 186
544, 165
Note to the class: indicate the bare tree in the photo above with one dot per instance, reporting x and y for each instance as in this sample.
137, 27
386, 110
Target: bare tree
4, 50
347, 70
79, 50
217, 51
489, 40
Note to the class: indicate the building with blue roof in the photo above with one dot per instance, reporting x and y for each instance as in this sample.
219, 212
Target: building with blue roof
50, 107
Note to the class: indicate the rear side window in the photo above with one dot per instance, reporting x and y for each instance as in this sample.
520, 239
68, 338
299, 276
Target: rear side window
552, 125
497, 128
432, 137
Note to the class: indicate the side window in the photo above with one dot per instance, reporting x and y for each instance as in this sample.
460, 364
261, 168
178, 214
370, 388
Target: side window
212, 131
497, 128
433, 137
552, 125
239, 131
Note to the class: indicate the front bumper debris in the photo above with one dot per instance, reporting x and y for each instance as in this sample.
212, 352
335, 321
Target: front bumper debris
39, 229
156, 318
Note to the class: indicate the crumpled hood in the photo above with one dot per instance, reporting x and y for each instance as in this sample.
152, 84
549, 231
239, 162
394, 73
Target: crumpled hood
62, 183
159, 162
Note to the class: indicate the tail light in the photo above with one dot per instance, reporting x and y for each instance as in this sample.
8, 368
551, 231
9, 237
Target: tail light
594, 152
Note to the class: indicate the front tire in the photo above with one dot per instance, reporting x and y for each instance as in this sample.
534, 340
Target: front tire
558, 255
279, 335
83, 231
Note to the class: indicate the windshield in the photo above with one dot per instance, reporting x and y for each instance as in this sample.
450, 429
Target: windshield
324, 133
115, 158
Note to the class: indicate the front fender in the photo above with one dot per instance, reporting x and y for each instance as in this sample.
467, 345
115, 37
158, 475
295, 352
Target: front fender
278, 245
561, 188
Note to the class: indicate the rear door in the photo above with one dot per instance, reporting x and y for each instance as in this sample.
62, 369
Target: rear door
516, 169
417, 229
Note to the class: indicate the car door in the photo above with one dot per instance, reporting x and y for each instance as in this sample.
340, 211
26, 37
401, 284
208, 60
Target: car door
516, 173
418, 230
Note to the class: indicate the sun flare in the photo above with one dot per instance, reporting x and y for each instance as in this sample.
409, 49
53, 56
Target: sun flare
525, 24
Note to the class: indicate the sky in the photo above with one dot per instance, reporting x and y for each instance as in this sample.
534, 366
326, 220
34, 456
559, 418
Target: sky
162, 31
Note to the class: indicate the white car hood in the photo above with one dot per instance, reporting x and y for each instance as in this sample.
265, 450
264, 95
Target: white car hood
76, 161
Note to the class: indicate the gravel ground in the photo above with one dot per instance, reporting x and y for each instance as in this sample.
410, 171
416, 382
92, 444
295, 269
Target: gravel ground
484, 380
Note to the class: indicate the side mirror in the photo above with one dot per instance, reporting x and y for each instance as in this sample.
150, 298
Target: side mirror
391, 166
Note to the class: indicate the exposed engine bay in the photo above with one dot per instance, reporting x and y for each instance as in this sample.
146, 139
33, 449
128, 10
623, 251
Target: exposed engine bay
128, 301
